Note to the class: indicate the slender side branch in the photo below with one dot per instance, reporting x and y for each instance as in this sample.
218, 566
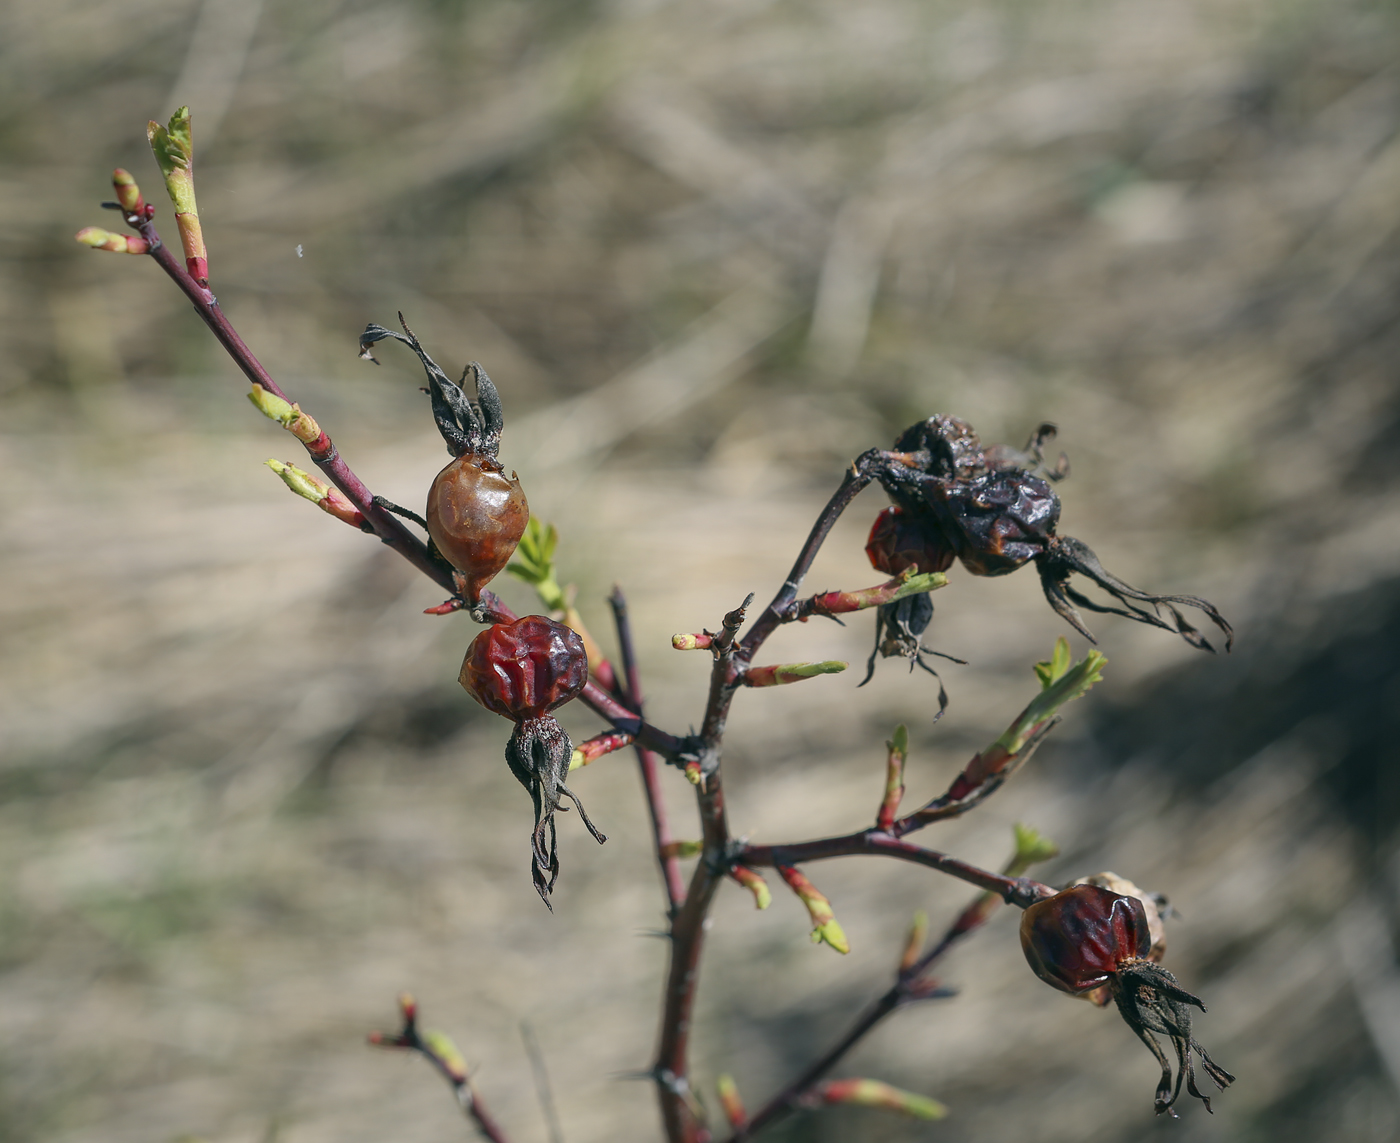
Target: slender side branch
862, 471
647, 762
989, 769
1017, 891
442, 1053
388, 528
912, 983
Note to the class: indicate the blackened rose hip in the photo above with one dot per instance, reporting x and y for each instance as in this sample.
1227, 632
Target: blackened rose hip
522, 671
1087, 936
994, 510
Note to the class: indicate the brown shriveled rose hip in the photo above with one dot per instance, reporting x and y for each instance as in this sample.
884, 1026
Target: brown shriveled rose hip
1087, 936
522, 671
475, 514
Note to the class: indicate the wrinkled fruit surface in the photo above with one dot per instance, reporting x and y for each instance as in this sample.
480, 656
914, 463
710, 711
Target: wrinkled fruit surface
524, 669
899, 541
476, 516
1076, 940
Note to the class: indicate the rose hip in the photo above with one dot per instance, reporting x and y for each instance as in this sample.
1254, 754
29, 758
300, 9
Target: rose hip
475, 514
1076, 939
899, 541
1087, 936
522, 671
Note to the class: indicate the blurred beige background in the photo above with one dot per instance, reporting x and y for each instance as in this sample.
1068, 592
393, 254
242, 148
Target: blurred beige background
709, 252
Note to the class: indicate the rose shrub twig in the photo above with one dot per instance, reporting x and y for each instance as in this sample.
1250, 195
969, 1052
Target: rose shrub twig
952, 500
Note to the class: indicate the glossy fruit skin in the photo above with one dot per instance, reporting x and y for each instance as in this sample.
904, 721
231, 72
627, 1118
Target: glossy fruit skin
1077, 939
899, 541
476, 516
525, 669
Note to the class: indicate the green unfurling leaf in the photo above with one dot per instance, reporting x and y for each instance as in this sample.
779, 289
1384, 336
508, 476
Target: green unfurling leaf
1049, 673
534, 563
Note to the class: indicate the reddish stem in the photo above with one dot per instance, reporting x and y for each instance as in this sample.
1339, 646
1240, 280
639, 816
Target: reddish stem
386, 526
910, 985
1019, 891
647, 762
679, 1109
863, 470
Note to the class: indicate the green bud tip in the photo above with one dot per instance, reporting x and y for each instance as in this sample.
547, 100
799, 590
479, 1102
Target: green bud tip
832, 934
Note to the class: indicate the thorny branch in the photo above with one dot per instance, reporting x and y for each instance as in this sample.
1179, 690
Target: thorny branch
679, 1109
619, 702
688, 908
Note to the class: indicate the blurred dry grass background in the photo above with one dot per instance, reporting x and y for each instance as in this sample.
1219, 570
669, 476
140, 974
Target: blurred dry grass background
709, 252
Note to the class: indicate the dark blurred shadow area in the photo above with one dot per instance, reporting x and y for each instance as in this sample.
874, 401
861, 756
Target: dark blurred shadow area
708, 253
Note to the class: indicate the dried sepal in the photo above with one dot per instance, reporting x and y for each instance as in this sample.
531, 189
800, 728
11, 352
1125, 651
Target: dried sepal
538, 754
898, 628
467, 424
1151, 1001
1064, 556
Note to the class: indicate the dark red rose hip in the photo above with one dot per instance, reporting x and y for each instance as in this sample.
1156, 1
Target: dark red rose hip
899, 541
525, 669
1087, 936
994, 509
522, 671
1076, 939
